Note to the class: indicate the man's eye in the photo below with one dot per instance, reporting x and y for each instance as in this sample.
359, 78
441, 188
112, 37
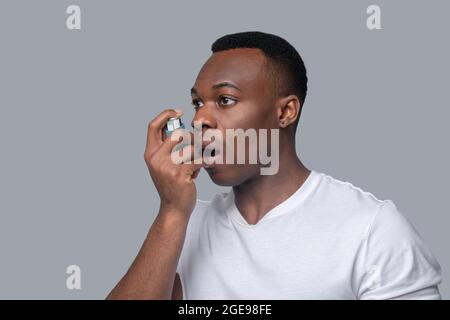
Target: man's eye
197, 103
226, 101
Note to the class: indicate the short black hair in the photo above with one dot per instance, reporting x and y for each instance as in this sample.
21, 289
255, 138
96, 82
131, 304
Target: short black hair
288, 67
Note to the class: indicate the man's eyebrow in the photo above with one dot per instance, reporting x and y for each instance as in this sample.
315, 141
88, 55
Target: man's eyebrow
225, 84
218, 86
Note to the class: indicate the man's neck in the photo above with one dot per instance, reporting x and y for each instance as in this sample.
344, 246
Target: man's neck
257, 196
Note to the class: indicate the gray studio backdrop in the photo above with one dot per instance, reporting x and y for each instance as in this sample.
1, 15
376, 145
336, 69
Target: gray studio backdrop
74, 108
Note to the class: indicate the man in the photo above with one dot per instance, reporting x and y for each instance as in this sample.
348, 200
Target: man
295, 234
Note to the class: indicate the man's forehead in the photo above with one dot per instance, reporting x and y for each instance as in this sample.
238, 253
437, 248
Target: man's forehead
243, 66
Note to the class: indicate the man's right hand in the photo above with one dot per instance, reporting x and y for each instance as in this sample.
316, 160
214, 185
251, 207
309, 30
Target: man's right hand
174, 182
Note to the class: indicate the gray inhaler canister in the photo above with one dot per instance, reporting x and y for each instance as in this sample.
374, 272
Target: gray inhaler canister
173, 124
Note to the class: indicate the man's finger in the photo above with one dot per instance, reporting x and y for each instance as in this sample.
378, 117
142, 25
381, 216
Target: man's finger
182, 136
185, 153
195, 174
191, 171
154, 134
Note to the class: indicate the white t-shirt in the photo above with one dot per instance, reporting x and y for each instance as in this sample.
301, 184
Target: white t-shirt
329, 240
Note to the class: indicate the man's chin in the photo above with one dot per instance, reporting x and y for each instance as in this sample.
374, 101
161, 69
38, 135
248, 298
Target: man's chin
218, 176
221, 175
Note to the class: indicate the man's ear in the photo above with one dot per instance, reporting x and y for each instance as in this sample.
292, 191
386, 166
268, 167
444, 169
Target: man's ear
289, 108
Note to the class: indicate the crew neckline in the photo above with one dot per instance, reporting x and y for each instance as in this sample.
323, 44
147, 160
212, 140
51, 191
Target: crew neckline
286, 206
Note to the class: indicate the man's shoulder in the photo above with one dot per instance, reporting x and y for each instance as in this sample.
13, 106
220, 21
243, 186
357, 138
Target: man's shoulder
345, 204
344, 194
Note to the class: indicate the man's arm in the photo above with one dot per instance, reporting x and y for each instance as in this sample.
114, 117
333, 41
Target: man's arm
153, 272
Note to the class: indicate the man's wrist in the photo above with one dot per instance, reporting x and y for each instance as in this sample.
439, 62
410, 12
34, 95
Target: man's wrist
172, 218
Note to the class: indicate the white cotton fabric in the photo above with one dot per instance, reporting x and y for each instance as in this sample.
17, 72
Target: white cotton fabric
328, 240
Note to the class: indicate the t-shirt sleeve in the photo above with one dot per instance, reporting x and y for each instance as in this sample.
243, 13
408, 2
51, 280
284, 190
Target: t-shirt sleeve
393, 262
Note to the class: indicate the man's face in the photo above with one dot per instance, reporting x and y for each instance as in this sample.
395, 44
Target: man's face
232, 91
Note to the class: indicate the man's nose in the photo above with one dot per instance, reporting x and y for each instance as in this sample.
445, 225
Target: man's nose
205, 116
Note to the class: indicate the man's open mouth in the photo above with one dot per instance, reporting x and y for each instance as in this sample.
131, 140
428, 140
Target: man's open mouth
209, 153
210, 156
208, 150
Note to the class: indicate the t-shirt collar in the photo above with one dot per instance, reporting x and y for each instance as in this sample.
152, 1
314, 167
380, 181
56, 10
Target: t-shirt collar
287, 205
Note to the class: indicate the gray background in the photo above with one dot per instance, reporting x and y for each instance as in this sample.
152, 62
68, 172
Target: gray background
74, 108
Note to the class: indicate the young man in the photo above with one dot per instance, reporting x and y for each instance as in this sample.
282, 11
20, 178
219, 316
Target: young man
295, 234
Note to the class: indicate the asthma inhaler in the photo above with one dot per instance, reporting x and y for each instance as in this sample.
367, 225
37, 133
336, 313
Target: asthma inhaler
173, 124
